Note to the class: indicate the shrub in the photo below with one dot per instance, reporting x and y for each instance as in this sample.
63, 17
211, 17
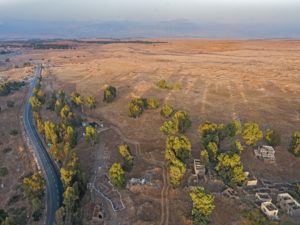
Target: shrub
252, 133
152, 103
167, 111
13, 132
294, 146
272, 137
3, 171
116, 175
179, 123
163, 84
7, 150
136, 107
110, 93
10, 104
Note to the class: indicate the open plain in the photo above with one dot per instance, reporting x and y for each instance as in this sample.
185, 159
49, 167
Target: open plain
218, 81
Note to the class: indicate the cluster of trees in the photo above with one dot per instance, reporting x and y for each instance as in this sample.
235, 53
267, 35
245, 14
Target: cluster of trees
34, 187
179, 123
117, 171
110, 93
18, 217
203, 206
228, 165
295, 144
137, 106
177, 152
91, 135
178, 147
124, 151
10, 86
62, 138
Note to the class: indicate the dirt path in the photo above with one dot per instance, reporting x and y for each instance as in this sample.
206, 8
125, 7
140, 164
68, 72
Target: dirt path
138, 152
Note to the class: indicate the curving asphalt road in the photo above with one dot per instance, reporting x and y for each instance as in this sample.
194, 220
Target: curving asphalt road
53, 183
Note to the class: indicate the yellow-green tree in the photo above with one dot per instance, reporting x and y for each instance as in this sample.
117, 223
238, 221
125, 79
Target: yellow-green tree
294, 146
231, 170
236, 147
90, 102
110, 93
51, 132
167, 111
34, 185
204, 157
179, 123
272, 137
35, 102
128, 158
91, 135
117, 175
203, 206
152, 103
76, 99
252, 133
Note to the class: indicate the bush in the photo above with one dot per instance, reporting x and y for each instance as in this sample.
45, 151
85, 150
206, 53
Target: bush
295, 144
163, 84
116, 175
252, 133
179, 123
272, 137
3, 171
167, 111
136, 107
152, 103
10, 104
110, 93
7, 150
13, 132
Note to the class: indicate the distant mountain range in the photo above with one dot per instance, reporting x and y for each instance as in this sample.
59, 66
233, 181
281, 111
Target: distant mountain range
128, 29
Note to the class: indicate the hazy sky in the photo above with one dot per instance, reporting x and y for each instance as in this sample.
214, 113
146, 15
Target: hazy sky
266, 11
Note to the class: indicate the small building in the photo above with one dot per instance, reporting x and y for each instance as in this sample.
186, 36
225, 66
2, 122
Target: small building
265, 152
262, 197
199, 168
230, 193
251, 180
270, 210
288, 204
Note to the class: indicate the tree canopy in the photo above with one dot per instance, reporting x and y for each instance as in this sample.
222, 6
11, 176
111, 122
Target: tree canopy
110, 93
252, 133
272, 137
294, 146
178, 124
117, 175
167, 111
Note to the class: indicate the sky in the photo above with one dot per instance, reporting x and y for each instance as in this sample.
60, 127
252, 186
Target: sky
222, 11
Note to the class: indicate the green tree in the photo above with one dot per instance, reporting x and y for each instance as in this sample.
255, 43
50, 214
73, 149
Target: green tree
209, 132
3, 215
136, 107
179, 123
229, 167
180, 146
70, 136
272, 137
34, 185
128, 158
167, 111
110, 93
203, 206
51, 132
252, 133
177, 171
90, 102
212, 149
294, 146
234, 128
204, 157
76, 99
35, 102
163, 84
117, 175
40, 95
60, 216
236, 147
91, 135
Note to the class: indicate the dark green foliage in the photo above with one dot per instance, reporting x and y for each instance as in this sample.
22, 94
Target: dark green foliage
110, 93
3, 171
209, 132
137, 107
10, 86
231, 170
3, 215
7, 150
179, 123
255, 217
236, 147
13, 132
234, 128
294, 146
272, 137
10, 103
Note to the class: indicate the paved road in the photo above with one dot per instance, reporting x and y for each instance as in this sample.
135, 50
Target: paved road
53, 183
